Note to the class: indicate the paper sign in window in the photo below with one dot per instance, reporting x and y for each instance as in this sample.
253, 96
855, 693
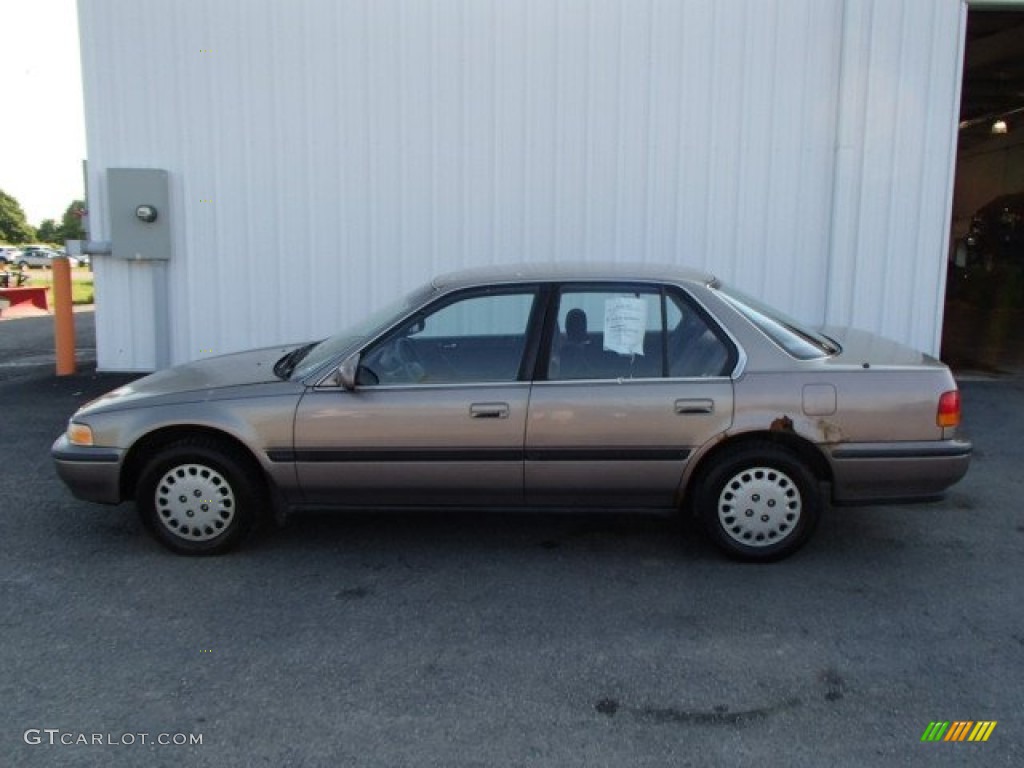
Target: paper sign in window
625, 322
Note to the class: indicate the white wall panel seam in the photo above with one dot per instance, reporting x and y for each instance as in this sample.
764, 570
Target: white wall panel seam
771, 144
920, 277
862, 157
712, 109
886, 285
616, 199
651, 146
842, 120
954, 108
497, 97
588, 153
864, 93
315, 261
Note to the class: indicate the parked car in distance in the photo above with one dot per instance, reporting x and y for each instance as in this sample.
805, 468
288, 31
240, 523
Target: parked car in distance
9, 254
997, 231
34, 256
620, 387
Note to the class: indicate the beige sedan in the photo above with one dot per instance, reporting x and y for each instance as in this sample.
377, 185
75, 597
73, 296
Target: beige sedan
627, 388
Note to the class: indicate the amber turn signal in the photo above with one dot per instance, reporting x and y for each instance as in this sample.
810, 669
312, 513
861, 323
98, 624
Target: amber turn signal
949, 409
79, 434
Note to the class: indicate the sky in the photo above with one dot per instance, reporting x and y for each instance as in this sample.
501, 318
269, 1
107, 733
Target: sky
42, 124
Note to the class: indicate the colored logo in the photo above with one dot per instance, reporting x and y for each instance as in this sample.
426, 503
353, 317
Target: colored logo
959, 730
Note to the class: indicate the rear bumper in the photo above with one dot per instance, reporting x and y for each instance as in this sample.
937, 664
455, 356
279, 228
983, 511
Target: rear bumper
906, 471
90, 473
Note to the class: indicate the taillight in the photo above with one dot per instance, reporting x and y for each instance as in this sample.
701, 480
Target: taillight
949, 409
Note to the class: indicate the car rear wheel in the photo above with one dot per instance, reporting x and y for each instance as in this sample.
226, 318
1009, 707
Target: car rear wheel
760, 503
198, 496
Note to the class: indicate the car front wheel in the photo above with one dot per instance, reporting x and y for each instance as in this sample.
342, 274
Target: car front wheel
760, 503
199, 497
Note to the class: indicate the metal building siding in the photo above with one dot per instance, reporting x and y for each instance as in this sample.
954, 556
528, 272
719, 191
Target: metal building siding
349, 150
898, 102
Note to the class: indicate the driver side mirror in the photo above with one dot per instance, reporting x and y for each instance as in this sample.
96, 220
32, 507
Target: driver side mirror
347, 372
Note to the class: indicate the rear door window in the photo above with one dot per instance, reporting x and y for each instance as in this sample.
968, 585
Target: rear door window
627, 332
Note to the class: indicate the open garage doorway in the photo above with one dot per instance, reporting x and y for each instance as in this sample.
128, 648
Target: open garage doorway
984, 316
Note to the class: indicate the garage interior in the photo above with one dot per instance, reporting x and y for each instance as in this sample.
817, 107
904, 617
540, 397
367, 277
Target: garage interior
984, 310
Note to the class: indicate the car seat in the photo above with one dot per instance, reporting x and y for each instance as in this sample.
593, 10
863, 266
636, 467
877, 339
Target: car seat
573, 355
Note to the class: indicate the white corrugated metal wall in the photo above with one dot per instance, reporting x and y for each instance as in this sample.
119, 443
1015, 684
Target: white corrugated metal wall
895, 151
327, 155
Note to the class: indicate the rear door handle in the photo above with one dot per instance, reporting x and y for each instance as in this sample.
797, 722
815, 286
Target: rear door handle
488, 410
695, 406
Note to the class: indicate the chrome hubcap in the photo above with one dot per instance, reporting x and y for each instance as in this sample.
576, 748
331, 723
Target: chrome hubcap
194, 502
759, 506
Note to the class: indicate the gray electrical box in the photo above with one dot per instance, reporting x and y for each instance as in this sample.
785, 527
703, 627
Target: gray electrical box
140, 220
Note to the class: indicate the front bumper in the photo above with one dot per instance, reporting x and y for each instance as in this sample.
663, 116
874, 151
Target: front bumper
91, 473
905, 471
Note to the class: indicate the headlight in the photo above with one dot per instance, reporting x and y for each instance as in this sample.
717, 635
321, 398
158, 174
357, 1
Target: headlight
79, 434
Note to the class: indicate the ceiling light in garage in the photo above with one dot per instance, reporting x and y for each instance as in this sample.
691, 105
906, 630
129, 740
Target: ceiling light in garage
999, 126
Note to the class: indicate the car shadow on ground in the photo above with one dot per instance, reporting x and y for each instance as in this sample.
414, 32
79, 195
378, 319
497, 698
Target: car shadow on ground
846, 534
646, 534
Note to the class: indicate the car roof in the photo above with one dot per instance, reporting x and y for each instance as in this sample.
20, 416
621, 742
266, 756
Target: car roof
570, 271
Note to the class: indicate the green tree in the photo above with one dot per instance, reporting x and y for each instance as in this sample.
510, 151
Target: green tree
14, 227
71, 227
47, 231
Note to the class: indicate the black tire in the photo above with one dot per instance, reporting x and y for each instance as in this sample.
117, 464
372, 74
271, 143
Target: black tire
23, 265
759, 503
217, 499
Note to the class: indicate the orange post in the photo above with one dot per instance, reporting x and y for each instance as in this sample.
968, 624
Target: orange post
63, 319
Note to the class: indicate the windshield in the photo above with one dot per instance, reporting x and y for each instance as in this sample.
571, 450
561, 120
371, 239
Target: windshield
308, 360
799, 341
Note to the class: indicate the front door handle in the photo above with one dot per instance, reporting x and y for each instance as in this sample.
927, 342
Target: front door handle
695, 406
488, 411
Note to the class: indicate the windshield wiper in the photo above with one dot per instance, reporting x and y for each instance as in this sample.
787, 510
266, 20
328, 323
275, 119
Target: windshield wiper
283, 368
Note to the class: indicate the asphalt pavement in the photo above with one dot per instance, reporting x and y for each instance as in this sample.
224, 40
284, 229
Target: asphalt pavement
472, 639
27, 343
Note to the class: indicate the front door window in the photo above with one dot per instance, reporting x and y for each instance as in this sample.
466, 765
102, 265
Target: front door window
476, 339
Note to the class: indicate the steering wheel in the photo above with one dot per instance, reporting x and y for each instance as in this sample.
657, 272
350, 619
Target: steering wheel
396, 362
407, 362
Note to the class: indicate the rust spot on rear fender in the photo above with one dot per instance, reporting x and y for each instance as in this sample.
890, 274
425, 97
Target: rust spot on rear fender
830, 433
782, 424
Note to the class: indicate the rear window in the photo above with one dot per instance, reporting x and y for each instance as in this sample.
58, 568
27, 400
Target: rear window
796, 339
